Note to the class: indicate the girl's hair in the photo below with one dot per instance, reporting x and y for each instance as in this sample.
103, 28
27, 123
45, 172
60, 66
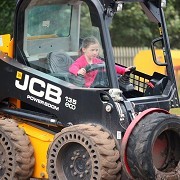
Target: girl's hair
87, 42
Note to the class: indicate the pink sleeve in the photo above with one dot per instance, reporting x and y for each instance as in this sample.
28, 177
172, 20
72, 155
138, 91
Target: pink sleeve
74, 68
120, 70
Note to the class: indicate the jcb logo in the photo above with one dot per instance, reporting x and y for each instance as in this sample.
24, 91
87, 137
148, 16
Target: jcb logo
48, 91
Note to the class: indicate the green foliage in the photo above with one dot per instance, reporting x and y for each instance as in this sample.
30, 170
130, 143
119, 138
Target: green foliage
7, 16
172, 15
132, 28
129, 28
175, 111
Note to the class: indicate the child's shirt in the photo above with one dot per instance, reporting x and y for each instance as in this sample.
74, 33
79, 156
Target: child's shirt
90, 76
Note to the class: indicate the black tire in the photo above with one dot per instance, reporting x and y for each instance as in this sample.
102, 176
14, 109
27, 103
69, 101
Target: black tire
16, 153
83, 152
153, 150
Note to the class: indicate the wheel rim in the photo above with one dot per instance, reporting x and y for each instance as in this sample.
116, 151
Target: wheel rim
165, 152
160, 151
2, 161
73, 156
153, 147
6, 157
80, 165
84, 151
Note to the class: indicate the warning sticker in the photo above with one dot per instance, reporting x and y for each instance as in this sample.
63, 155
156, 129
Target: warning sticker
119, 135
1, 41
46, 23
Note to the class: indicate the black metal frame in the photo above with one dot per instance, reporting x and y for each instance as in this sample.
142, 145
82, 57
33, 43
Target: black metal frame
91, 103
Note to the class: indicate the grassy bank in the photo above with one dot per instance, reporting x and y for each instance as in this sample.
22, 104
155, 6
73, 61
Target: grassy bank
175, 111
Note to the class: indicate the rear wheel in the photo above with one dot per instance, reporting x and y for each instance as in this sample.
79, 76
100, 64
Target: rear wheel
83, 152
154, 146
16, 153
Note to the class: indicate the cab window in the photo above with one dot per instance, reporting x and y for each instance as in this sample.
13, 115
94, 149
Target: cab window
53, 35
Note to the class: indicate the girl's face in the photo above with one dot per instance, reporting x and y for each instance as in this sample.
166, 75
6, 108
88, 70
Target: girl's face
91, 51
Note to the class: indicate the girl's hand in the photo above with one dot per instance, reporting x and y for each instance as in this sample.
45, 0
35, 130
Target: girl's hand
130, 68
82, 71
127, 69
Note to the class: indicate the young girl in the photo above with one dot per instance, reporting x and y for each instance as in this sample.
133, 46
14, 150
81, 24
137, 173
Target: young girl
89, 52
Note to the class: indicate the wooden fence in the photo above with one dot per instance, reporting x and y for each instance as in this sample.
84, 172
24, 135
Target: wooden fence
125, 55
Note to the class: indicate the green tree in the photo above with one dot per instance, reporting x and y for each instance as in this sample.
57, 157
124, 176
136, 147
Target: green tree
7, 16
132, 28
172, 14
129, 28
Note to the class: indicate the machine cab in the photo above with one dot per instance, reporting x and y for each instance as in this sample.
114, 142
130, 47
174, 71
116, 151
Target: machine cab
52, 34
48, 36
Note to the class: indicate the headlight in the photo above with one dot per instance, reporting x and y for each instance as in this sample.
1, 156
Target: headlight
163, 3
119, 6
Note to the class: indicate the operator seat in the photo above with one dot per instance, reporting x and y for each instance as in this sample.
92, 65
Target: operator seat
58, 65
59, 62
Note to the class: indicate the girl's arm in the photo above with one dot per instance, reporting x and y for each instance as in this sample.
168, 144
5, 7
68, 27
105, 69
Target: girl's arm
120, 70
76, 67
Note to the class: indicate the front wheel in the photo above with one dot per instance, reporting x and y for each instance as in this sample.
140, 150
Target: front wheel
16, 152
153, 150
83, 151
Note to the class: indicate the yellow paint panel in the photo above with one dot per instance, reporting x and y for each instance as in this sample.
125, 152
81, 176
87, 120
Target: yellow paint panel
11, 48
4, 43
40, 140
144, 61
